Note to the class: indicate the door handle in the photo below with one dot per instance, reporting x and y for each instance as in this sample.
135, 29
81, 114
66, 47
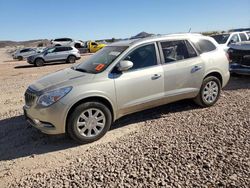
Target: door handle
156, 76
196, 68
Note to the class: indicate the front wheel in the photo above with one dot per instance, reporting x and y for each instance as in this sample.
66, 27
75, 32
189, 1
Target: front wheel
209, 92
20, 58
39, 62
89, 122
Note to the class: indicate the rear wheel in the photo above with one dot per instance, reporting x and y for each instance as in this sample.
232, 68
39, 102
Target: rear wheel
209, 92
39, 62
71, 59
89, 122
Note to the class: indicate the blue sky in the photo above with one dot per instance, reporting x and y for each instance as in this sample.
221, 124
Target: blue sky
98, 19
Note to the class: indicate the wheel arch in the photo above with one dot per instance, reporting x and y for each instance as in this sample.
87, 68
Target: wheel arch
39, 58
71, 55
101, 99
215, 74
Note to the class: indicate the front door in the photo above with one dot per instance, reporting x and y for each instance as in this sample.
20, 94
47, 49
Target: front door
142, 86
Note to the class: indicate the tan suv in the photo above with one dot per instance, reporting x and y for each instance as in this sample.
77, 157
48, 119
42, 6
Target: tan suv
123, 78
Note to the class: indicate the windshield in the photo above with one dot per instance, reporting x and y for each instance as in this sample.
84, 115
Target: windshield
221, 39
101, 60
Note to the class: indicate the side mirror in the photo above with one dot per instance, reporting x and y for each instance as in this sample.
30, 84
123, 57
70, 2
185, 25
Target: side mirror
125, 65
231, 42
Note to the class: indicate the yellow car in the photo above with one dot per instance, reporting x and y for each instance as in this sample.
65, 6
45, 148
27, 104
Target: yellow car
94, 46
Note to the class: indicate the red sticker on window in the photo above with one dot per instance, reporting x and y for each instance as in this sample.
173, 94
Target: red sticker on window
99, 67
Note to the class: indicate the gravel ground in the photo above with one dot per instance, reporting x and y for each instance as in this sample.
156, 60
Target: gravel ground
176, 145
179, 145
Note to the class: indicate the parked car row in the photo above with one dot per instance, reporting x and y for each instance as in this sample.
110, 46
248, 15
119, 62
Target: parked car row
239, 55
62, 49
55, 54
89, 46
227, 39
26, 52
237, 45
123, 78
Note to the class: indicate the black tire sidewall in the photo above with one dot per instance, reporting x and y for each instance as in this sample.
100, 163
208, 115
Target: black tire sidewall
205, 81
68, 60
39, 65
72, 121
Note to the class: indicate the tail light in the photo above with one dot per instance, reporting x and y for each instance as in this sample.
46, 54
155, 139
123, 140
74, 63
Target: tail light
229, 55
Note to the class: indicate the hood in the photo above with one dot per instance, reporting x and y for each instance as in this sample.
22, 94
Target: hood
37, 54
241, 46
62, 78
101, 45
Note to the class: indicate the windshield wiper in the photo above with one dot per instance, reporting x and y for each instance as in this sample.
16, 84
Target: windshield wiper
79, 69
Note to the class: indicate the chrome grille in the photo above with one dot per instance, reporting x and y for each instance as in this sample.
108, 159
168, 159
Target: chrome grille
29, 97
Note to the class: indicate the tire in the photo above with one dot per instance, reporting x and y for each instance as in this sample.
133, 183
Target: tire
58, 45
20, 58
71, 59
86, 128
39, 62
209, 92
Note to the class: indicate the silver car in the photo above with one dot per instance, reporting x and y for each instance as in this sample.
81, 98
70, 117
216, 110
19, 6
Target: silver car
124, 78
55, 54
24, 53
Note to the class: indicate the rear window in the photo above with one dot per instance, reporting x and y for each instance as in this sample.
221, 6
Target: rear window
25, 50
61, 49
243, 37
221, 39
204, 46
63, 40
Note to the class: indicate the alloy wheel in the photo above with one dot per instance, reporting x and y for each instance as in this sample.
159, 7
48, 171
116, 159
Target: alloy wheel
91, 122
210, 92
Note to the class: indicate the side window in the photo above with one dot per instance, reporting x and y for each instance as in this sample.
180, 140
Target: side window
243, 37
142, 57
51, 50
191, 50
234, 39
61, 49
205, 46
174, 50
25, 50
57, 50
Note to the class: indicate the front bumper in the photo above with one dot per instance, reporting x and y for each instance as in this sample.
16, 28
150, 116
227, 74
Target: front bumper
239, 69
50, 120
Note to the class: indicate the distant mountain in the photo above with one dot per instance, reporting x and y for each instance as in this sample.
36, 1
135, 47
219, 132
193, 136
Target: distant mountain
29, 43
141, 35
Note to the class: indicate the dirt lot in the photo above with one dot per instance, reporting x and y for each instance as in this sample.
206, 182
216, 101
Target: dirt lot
177, 145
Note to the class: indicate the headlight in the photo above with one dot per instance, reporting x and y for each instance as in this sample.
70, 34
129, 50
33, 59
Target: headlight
51, 97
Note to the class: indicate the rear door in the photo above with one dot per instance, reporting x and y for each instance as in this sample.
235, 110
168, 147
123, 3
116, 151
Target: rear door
183, 69
60, 53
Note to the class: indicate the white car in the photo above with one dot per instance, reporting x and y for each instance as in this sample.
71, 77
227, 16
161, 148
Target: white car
225, 39
24, 53
66, 42
123, 78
